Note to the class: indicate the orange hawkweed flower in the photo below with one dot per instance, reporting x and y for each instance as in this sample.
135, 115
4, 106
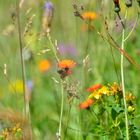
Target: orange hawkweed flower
44, 65
86, 104
89, 15
94, 87
66, 64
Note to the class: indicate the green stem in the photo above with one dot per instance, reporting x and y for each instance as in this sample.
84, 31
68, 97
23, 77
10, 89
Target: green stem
86, 56
67, 122
61, 113
52, 47
115, 67
122, 80
88, 39
132, 29
21, 56
26, 102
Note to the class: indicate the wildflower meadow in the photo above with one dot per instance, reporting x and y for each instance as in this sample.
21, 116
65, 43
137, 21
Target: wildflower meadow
69, 70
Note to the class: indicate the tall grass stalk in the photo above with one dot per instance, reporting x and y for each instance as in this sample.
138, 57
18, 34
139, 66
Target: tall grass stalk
122, 81
26, 103
21, 55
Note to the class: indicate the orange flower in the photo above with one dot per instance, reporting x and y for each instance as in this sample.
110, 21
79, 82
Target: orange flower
44, 65
94, 87
89, 15
130, 97
66, 64
86, 104
115, 88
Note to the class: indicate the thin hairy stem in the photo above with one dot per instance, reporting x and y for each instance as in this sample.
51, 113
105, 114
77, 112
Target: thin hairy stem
121, 21
61, 112
94, 114
67, 122
8, 80
53, 47
113, 58
88, 39
122, 81
132, 29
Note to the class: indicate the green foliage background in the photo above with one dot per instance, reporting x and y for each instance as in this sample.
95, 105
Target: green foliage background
65, 28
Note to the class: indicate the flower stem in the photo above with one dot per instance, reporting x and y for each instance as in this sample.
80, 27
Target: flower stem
61, 113
122, 81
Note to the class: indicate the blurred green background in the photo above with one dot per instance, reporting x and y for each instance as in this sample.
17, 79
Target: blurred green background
70, 32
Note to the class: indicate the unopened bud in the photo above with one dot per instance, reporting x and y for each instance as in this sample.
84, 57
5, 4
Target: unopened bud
128, 3
47, 16
131, 109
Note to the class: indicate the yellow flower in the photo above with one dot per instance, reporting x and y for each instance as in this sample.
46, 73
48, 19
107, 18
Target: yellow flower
17, 128
95, 95
104, 90
16, 86
89, 15
131, 109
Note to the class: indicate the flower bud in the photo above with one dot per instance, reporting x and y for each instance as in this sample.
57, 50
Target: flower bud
117, 6
117, 9
47, 16
128, 3
130, 109
138, 2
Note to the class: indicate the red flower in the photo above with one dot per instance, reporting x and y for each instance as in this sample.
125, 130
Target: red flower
86, 104
94, 87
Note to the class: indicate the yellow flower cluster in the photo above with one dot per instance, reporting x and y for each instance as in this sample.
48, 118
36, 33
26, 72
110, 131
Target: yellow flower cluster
97, 91
9, 133
105, 90
16, 86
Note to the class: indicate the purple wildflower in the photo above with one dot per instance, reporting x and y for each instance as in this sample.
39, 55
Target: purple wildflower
67, 49
29, 84
29, 88
118, 26
48, 5
47, 16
